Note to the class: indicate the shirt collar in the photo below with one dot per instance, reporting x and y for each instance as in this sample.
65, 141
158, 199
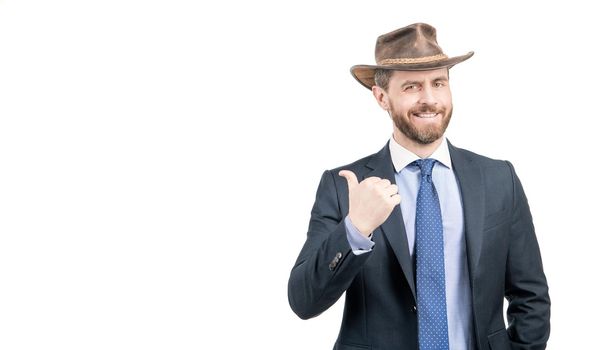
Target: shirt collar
401, 157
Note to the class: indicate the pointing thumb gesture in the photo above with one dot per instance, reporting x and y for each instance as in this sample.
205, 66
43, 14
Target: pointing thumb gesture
371, 201
351, 177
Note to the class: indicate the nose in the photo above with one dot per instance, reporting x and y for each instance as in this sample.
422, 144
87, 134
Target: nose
427, 96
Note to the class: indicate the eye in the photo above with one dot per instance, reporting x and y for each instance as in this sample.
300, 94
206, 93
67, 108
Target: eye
439, 84
410, 87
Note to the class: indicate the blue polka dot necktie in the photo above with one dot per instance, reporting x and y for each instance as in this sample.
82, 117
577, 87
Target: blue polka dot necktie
431, 282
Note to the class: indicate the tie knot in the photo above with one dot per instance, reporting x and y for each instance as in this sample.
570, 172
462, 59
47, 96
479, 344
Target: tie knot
426, 165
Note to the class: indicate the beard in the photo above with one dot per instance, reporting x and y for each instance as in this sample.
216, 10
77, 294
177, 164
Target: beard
426, 134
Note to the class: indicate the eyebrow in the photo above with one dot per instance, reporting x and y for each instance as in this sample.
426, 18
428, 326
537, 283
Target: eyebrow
443, 77
410, 82
417, 82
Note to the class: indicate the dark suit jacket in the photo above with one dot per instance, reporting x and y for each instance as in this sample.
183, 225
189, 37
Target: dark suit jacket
502, 251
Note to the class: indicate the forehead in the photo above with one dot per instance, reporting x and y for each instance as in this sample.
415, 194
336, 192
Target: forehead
422, 75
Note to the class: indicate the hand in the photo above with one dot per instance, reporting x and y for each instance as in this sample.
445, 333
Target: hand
371, 201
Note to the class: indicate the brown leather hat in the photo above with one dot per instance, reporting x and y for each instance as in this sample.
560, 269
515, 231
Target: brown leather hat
410, 48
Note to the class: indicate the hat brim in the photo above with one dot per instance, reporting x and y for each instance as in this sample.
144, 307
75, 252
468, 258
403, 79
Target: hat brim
365, 74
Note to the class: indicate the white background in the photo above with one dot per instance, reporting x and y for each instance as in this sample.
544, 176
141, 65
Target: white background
159, 159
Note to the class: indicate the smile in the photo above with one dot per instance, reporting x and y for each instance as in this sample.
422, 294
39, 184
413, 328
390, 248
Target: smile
425, 115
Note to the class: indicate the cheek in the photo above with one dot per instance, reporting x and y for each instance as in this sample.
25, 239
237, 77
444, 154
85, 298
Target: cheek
446, 98
402, 107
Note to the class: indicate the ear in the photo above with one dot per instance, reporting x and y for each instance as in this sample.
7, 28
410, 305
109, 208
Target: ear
381, 97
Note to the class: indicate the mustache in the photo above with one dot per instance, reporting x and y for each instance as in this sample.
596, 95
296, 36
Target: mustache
426, 109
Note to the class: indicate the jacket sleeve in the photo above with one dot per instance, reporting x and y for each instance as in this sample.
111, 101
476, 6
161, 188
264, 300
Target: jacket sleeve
526, 287
326, 265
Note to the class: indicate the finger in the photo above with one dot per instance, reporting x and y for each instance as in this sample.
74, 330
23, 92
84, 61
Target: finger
372, 179
395, 199
390, 190
350, 177
384, 183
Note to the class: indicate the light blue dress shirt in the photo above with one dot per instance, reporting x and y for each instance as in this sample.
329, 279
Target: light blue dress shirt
458, 289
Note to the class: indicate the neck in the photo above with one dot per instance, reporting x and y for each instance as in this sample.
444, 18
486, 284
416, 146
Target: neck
421, 150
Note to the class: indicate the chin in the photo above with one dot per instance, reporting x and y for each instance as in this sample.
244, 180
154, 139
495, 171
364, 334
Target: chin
427, 140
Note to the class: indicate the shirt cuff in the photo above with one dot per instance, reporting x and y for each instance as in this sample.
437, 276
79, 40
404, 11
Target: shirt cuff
359, 243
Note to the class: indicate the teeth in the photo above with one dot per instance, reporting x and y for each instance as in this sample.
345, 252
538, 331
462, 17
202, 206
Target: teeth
426, 115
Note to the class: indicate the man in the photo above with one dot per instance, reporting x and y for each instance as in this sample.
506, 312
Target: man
432, 272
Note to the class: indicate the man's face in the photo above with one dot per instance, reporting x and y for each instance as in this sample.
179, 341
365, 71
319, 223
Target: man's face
420, 103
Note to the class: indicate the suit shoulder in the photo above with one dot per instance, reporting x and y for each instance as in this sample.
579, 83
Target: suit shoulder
356, 165
482, 160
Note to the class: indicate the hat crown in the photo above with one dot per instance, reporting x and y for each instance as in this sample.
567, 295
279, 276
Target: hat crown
415, 41
411, 48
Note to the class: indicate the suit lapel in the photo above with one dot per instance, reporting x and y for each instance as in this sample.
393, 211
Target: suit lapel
472, 190
471, 183
393, 228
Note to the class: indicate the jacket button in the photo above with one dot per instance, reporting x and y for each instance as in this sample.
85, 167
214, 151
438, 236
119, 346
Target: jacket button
414, 309
335, 261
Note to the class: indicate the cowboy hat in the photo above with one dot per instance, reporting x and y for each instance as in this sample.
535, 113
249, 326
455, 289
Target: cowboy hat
413, 48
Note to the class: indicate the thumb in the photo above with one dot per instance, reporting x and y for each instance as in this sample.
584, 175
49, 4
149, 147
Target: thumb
350, 176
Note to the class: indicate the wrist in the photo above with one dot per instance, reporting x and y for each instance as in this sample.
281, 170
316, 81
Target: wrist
363, 229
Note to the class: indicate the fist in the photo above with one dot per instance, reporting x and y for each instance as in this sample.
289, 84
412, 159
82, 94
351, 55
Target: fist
371, 201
